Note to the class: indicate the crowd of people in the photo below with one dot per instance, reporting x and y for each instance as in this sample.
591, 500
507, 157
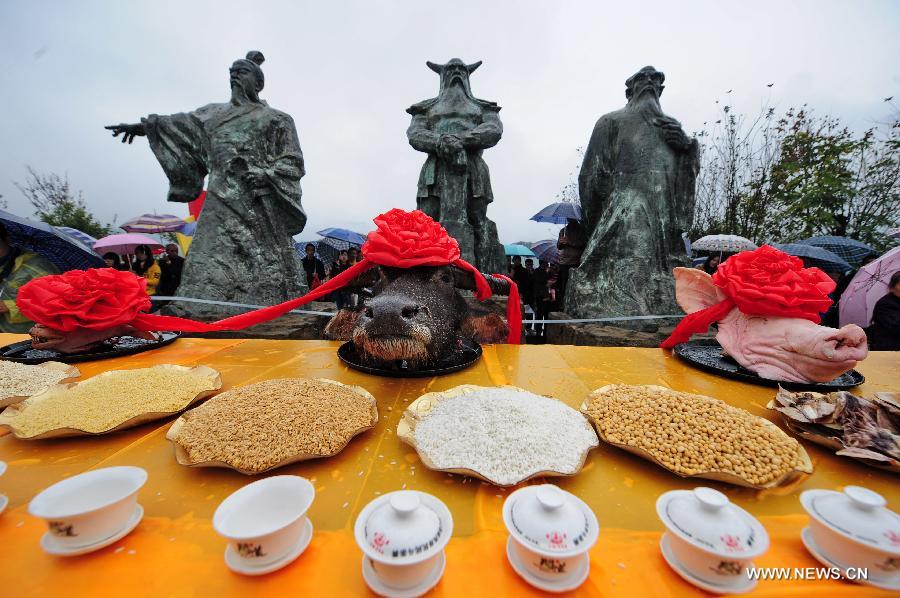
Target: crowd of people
316, 273
163, 276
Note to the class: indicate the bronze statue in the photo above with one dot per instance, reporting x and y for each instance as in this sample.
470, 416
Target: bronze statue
455, 186
637, 194
243, 249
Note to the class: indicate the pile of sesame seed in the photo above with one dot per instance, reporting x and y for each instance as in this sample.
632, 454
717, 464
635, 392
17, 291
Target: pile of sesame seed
21, 380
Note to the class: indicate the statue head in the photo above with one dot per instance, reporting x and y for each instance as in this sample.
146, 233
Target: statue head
247, 76
456, 72
646, 80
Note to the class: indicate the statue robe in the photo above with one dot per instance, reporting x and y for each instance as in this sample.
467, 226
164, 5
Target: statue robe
637, 194
242, 250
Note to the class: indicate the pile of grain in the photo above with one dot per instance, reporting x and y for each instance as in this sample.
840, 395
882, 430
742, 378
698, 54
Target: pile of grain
693, 434
253, 428
504, 434
21, 380
104, 402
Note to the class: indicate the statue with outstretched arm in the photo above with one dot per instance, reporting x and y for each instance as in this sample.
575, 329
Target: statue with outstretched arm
243, 250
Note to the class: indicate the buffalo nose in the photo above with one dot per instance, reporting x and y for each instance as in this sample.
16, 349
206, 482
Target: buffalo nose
386, 307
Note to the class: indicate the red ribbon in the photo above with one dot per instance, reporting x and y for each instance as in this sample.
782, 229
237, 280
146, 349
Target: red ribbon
401, 240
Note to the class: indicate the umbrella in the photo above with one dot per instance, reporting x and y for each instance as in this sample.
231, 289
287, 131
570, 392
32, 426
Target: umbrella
697, 261
868, 286
513, 249
817, 256
723, 243
894, 232
546, 250
342, 234
559, 213
852, 251
62, 250
152, 223
125, 243
85, 238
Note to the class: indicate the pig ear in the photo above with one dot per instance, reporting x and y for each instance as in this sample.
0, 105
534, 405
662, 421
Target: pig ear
487, 328
340, 327
694, 290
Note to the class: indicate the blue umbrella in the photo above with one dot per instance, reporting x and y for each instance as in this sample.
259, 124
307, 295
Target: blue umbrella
342, 234
85, 238
63, 251
851, 250
546, 250
559, 213
821, 258
513, 249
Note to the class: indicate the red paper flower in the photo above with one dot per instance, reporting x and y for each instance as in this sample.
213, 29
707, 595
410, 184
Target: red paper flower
97, 299
406, 239
769, 282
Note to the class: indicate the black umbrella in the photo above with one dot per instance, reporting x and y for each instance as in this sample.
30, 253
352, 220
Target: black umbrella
63, 251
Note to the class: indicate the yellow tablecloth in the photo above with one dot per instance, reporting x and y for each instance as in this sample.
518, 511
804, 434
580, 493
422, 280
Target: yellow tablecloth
175, 551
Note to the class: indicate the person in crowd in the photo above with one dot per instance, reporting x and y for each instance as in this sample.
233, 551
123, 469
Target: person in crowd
515, 267
313, 266
526, 285
341, 297
171, 266
17, 267
540, 285
711, 264
571, 243
144, 265
353, 255
113, 260
884, 333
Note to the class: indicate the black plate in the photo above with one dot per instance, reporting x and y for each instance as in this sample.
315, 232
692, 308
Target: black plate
706, 354
470, 353
22, 352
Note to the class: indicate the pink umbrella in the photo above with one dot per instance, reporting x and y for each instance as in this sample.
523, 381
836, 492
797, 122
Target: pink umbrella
125, 243
868, 286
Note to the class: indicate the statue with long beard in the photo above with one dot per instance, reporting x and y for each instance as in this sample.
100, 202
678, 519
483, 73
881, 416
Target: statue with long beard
637, 194
454, 185
243, 250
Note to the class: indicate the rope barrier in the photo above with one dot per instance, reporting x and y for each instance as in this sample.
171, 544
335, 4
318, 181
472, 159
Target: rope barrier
331, 314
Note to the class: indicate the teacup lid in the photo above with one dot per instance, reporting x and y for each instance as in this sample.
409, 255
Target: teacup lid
706, 519
550, 520
856, 513
403, 527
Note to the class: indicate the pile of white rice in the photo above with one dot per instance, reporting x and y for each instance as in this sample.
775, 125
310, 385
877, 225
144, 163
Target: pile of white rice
505, 434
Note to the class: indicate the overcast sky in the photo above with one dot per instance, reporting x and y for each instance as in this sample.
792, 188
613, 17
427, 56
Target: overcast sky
346, 72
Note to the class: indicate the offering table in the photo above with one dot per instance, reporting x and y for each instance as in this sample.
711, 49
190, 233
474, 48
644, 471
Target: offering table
175, 551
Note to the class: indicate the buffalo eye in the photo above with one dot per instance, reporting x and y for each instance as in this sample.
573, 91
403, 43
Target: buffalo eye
445, 277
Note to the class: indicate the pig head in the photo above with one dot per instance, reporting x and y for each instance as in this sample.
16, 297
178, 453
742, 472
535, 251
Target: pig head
777, 348
416, 315
80, 340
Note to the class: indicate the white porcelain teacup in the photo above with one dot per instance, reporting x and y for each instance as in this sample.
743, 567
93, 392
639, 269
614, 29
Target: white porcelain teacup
89, 507
265, 519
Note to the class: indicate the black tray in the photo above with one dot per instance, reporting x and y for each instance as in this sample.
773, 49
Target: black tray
460, 360
22, 352
706, 354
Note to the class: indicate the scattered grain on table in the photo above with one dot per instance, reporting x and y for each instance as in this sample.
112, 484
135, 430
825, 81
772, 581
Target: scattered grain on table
255, 427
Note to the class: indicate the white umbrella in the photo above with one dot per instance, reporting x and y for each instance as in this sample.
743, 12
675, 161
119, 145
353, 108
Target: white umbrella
723, 243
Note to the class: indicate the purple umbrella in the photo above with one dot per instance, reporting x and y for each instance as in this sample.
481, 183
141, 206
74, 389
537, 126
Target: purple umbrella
125, 243
868, 286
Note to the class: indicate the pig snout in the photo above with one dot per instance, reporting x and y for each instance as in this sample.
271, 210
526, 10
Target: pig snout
394, 327
844, 344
